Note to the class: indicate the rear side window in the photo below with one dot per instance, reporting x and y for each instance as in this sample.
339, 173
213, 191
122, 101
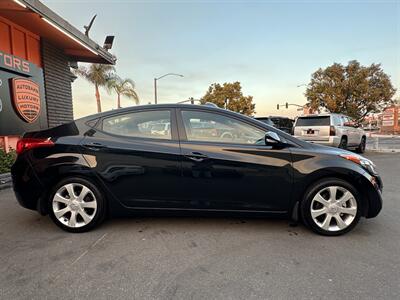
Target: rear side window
143, 124
314, 121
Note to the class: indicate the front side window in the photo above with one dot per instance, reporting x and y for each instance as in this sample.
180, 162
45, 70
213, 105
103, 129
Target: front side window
211, 127
143, 124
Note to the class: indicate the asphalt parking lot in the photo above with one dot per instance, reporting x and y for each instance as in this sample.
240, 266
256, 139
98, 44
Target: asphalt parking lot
202, 258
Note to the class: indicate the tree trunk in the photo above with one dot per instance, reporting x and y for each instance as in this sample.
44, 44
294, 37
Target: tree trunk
98, 98
119, 101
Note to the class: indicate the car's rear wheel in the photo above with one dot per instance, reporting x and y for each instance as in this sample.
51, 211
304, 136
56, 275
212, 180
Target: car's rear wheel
76, 205
343, 143
361, 147
331, 207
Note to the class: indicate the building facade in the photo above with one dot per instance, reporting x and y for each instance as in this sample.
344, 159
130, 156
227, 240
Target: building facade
391, 120
37, 48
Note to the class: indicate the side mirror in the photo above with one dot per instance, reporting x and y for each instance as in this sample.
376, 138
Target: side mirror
272, 138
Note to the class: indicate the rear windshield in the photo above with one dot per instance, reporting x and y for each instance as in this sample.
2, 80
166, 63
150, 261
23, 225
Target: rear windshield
314, 121
283, 122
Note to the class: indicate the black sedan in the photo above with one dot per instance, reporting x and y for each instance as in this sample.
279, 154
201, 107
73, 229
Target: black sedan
116, 163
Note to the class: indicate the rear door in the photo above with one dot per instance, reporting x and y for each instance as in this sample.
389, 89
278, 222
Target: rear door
350, 131
138, 163
313, 128
233, 169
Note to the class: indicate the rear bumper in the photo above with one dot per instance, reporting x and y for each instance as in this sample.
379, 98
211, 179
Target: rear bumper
332, 141
27, 187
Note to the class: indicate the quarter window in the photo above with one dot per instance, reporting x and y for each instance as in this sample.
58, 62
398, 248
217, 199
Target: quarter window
336, 120
144, 124
210, 127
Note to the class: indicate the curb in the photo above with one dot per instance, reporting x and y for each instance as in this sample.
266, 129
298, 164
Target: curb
5, 181
383, 150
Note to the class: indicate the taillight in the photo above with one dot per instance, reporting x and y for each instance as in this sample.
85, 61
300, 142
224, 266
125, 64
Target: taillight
25, 144
332, 131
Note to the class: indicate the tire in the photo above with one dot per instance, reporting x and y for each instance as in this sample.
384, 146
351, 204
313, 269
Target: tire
343, 143
87, 206
361, 147
325, 218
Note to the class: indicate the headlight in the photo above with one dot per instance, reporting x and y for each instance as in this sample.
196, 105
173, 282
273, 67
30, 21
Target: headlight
362, 161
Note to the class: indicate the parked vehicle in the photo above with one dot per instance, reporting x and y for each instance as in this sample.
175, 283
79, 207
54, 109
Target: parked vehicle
111, 164
334, 130
160, 129
282, 123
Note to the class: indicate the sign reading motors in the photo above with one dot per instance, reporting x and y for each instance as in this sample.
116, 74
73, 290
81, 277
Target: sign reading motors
14, 63
26, 98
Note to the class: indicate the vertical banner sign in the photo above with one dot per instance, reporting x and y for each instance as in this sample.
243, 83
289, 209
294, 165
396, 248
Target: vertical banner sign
388, 117
26, 98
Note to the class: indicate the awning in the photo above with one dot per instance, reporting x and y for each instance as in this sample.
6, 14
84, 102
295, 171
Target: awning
39, 19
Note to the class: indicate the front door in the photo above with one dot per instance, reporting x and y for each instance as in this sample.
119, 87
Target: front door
226, 164
137, 156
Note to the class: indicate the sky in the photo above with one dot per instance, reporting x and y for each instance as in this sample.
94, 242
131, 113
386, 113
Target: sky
271, 47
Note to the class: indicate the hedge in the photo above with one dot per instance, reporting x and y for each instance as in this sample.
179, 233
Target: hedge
6, 160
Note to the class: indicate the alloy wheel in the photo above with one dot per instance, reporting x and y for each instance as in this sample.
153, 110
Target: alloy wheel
74, 205
333, 208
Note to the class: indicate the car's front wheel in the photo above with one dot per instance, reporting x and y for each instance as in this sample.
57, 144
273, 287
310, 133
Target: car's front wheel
76, 205
331, 207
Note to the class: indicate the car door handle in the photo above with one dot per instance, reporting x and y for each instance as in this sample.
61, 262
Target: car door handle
95, 146
196, 156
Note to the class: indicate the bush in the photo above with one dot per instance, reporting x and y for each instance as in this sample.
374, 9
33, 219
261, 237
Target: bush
6, 160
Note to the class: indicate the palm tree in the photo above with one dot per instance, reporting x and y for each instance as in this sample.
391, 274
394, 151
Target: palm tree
123, 87
99, 75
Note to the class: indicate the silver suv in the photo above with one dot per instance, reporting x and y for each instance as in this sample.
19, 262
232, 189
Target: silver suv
335, 130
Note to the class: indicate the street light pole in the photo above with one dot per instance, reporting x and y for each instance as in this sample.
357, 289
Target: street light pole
158, 78
155, 90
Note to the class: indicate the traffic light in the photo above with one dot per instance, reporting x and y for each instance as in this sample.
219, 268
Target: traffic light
277, 106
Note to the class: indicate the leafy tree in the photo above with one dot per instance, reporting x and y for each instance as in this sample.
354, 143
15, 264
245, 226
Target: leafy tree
229, 94
123, 87
98, 75
354, 90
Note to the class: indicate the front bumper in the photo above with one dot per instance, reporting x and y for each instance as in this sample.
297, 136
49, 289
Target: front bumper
373, 193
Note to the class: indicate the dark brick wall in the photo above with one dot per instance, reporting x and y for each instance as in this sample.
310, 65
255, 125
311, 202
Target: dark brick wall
57, 83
